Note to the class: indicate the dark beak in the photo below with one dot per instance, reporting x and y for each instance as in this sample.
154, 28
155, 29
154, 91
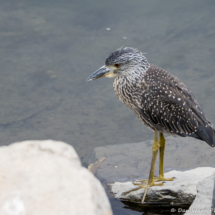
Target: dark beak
101, 72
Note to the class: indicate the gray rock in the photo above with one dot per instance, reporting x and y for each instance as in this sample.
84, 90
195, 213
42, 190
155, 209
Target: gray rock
46, 177
182, 190
131, 161
204, 203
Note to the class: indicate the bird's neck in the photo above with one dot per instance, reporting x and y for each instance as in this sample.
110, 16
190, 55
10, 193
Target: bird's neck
134, 75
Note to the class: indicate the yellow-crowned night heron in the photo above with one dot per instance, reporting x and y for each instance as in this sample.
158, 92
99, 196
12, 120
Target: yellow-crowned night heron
160, 100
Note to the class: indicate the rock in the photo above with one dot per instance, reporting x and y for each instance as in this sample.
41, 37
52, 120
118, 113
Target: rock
46, 177
131, 161
204, 203
182, 190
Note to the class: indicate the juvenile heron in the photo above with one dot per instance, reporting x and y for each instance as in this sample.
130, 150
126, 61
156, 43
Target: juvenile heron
160, 100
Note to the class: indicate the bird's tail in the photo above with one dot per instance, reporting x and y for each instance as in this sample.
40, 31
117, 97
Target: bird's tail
207, 134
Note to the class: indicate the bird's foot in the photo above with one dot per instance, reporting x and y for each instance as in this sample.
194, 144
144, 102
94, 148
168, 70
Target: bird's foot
145, 186
155, 179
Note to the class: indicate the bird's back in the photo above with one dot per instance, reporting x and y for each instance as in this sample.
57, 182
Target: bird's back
163, 103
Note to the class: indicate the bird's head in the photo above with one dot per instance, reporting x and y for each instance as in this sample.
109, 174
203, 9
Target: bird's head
123, 62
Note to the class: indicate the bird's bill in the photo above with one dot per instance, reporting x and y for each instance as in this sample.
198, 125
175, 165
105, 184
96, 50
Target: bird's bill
104, 71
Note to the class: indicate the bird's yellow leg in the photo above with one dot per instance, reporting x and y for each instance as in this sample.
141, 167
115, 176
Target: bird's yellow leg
155, 149
161, 165
158, 145
162, 149
162, 143
150, 181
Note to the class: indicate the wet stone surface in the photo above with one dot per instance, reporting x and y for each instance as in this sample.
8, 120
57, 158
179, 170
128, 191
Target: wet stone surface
131, 161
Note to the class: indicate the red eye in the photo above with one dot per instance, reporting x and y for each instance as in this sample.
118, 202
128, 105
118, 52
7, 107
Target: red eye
117, 65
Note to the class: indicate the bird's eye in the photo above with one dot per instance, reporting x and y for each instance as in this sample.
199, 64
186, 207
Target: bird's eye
117, 65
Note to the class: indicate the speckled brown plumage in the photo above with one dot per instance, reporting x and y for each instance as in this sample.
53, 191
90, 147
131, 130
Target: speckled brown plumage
162, 102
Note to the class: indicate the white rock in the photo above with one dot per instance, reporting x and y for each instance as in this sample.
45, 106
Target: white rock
182, 190
204, 203
46, 178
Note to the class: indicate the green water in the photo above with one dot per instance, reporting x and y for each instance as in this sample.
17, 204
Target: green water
49, 48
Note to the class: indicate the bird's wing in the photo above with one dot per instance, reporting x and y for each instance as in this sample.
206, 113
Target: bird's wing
171, 105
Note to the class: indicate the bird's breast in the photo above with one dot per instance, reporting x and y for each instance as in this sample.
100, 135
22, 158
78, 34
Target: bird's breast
129, 91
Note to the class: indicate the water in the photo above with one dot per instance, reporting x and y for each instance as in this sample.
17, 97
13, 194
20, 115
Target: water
49, 48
